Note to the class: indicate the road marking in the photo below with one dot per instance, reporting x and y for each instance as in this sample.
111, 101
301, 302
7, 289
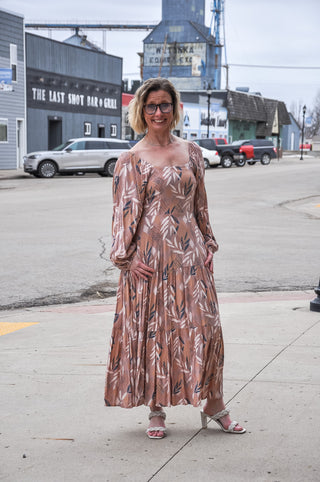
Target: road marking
7, 327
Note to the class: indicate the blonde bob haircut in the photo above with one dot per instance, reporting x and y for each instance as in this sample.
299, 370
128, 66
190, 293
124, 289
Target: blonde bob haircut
136, 114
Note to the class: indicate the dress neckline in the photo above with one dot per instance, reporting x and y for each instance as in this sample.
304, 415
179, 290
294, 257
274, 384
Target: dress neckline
187, 163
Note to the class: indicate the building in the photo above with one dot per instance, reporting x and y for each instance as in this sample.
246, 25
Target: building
12, 90
127, 132
233, 115
253, 116
72, 91
291, 135
202, 118
182, 49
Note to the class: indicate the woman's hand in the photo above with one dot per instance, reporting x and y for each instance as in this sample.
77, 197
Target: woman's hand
140, 270
209, 261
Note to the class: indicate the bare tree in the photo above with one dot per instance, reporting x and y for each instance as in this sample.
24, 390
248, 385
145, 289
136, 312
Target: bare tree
314, 128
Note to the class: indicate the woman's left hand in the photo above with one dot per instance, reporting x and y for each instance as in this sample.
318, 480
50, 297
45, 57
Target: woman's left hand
209, 261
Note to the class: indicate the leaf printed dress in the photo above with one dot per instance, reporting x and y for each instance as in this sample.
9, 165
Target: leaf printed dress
166, 343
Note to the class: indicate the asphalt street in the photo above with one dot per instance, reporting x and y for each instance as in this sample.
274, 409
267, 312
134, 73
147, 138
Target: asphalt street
55, 233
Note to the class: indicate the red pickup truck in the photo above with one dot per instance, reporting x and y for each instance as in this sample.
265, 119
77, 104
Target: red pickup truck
257, 149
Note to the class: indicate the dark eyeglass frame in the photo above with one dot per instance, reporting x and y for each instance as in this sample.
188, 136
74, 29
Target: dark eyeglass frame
155, 107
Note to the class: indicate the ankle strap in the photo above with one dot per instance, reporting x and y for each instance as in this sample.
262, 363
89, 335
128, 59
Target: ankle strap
221, 414
158, 413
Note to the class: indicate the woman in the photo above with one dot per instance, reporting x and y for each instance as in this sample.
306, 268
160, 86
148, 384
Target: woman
166, 344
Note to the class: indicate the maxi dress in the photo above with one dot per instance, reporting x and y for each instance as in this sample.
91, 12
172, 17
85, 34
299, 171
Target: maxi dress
166, 343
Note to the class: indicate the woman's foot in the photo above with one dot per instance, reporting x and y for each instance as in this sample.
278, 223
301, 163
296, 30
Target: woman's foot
157, 427
212, 407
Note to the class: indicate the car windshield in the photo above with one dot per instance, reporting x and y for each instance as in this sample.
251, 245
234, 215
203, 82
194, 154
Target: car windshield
62, 146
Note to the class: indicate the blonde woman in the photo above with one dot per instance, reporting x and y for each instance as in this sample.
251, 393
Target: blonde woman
166, 344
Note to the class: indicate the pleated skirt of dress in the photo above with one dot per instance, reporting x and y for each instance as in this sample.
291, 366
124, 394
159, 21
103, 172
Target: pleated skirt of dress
166, 344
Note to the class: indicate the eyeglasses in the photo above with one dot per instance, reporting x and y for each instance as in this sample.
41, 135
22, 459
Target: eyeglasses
165, 108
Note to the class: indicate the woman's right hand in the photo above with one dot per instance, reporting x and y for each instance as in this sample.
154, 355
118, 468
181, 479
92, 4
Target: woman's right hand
140, 270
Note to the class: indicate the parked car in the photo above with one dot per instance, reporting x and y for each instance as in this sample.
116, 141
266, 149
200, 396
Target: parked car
257, 150
228, 153
77, 156
210, 158
306, 146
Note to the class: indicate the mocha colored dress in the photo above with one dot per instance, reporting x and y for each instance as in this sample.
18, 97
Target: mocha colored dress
166, 343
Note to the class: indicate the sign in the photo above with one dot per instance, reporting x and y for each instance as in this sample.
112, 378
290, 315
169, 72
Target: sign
308, 121
51, 91
6, 80
176, 54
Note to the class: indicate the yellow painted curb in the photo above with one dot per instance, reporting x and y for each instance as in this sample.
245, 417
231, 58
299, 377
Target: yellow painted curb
7, 327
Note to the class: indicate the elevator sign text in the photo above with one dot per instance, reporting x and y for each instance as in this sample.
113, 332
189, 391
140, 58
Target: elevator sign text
174, 54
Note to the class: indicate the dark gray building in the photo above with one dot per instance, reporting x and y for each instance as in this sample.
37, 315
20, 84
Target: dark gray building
71, 92
12, 90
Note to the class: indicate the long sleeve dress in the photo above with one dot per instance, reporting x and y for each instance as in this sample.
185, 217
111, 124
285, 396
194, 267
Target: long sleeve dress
166, 344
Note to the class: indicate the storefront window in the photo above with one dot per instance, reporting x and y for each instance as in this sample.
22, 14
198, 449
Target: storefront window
87, 128
113, 130
13, 61
3, 130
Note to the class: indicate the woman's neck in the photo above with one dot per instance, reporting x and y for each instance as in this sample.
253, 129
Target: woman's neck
159, 141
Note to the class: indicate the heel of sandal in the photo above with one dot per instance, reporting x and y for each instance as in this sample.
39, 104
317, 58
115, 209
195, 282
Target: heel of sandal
204, 422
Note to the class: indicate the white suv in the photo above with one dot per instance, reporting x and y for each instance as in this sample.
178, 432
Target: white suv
77, 156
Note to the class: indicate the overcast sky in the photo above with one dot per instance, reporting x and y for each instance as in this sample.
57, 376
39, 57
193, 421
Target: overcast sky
258, 32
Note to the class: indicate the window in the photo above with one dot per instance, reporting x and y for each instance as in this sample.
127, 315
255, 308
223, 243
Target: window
87, 128
13, 61
113, 130
78, 146
3, 130
94, 145
118, 145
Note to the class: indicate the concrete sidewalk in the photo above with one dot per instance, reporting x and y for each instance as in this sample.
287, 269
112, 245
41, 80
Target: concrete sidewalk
54, 426
6, 174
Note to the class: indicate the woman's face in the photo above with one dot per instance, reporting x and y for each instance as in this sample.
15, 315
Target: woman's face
158, 122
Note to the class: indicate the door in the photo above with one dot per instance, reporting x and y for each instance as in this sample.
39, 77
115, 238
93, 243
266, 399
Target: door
101, 130
292, 142
54, 132
74, 157
20, 142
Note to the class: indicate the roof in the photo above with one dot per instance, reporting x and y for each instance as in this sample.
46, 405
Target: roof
249, 107
188, 30
82, 41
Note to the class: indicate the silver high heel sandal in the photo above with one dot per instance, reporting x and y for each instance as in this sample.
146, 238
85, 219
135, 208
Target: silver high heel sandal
216, 417
161, 414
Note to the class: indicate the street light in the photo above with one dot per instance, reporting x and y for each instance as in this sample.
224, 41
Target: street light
302, 136
209, 93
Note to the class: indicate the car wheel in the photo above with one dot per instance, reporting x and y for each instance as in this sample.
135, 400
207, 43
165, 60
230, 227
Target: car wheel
206, 163
265, 159
109, 168
226, 161
47, 169
241, 162
251, 163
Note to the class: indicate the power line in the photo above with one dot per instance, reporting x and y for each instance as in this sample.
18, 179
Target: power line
276, 66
